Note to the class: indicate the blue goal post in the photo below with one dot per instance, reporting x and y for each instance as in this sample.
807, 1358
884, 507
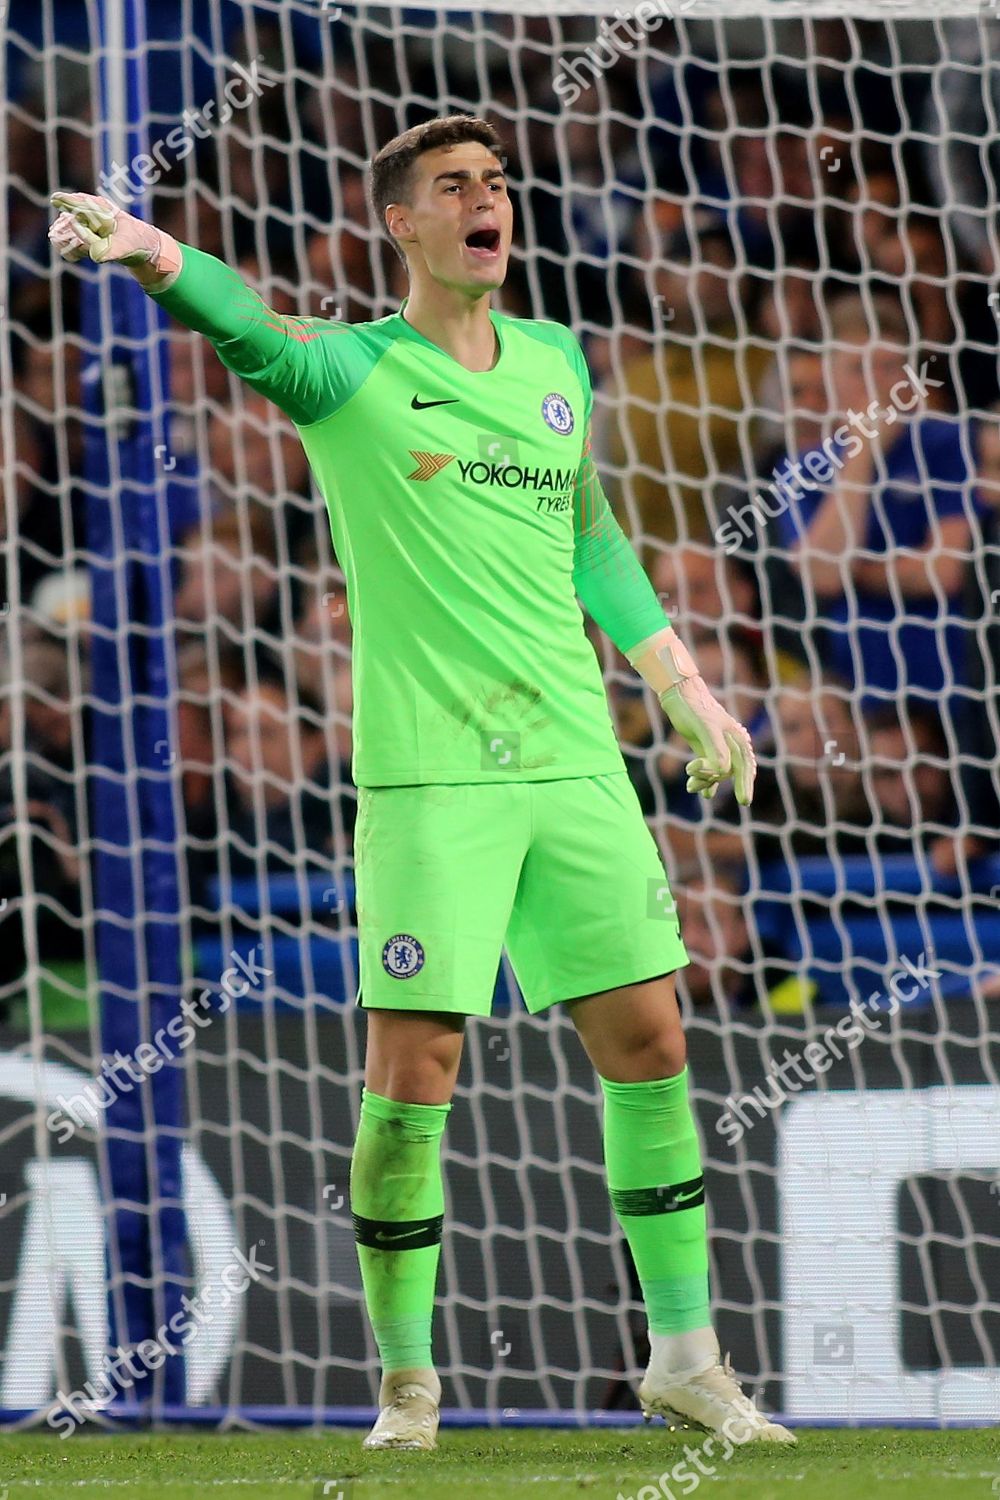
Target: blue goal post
130, 521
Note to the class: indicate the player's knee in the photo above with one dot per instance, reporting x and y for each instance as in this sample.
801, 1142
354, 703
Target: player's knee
413, 1070
418, 1080
660, 1052
665, 1054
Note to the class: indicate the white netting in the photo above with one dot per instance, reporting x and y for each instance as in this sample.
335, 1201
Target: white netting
753, 226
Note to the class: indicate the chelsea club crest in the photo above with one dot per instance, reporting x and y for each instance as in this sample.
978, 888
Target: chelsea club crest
402, 956
558, 414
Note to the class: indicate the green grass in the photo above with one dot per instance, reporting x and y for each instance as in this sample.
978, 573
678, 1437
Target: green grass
489, 1466
496, 1465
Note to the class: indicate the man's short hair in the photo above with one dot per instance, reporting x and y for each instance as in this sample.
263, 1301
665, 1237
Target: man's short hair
389, 175
884, 320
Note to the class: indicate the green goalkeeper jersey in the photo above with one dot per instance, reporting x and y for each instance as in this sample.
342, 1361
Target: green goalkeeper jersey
467, 517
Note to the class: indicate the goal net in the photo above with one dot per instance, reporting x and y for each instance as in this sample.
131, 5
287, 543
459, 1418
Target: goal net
776, 239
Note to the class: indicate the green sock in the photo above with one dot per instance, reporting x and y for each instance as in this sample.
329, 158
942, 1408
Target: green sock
654, 1178
397, 1203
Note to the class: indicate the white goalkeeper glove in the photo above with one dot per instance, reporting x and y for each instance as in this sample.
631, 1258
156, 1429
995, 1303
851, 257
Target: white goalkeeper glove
722, 746
91, 225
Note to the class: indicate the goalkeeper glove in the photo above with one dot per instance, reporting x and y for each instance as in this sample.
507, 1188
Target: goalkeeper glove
722, 746
91, 225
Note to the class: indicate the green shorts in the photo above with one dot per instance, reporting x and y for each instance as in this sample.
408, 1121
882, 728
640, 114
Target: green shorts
564, 873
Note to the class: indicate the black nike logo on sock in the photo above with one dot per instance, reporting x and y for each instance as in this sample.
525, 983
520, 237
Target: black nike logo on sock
419, 405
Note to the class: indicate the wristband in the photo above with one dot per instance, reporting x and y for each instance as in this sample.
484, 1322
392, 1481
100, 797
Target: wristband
663, 660
166, 260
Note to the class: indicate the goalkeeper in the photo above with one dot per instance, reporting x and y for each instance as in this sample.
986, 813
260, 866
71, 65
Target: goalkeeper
451, 444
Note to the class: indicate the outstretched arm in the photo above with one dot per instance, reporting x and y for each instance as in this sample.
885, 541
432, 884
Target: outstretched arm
280, 356
613, 587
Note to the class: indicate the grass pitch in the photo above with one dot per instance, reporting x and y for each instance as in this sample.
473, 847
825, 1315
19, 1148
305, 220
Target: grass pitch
497, 1465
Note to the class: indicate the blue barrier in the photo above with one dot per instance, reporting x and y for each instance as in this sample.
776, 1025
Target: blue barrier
850, 954
246, 894
857, 874
854, 950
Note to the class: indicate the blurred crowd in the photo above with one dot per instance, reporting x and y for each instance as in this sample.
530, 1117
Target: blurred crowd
795, 367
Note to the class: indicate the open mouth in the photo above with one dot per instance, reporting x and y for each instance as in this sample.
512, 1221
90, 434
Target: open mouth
484, 243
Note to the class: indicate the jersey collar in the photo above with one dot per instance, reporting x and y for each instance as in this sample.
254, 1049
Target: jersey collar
410, 332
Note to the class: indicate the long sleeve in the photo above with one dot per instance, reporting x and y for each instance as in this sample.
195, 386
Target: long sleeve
282, 357
609, 579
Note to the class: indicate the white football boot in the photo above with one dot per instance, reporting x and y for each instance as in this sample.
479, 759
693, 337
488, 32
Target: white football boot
409, 1411
708, 1395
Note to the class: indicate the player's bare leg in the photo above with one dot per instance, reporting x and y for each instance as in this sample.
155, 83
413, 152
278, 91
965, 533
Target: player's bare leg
413, 1056
397, 1202
634, 1038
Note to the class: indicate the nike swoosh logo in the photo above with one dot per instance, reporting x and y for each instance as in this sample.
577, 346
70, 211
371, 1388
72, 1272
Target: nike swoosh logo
389, 1239
681, 1199
419, 405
